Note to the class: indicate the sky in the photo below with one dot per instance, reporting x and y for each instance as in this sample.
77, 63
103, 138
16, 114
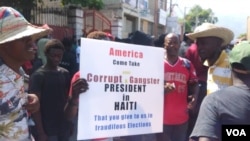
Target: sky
231, 13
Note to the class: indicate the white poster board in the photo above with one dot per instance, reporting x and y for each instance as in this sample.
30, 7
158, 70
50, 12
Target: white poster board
125, 95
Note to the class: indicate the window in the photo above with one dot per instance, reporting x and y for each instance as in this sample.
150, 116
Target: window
163, 4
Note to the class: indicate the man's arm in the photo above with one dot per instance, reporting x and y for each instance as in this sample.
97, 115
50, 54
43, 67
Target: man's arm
207, 139
39, 126
71, 108
207, 126
36, 82
77, 87
194, 89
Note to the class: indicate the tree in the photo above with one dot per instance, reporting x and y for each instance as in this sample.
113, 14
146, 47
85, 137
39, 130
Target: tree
23, 6
197, 16
242, 36
18, 4
91, 4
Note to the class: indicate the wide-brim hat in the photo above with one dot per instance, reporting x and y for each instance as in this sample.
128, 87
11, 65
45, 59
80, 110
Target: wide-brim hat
14, 26
212, 30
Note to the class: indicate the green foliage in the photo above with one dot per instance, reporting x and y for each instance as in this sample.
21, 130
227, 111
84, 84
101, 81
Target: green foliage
197, 16
91, 4
241, 36
18, 4
23, 6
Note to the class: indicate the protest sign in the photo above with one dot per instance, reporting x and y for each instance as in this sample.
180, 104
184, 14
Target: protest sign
125, 95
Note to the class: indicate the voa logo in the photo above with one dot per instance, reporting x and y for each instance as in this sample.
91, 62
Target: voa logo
236, 132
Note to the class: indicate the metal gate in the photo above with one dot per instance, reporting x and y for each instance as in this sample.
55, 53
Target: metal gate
94, 20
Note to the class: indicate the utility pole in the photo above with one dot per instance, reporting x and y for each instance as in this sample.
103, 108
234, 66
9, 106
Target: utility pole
184, 19
170, 8
156, 18
196, 20
139, 16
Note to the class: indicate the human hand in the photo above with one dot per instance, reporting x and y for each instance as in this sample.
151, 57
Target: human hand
169, 87
192, 102
78, 87
32, 105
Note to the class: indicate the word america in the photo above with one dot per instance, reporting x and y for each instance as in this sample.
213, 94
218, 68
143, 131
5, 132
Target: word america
125, 53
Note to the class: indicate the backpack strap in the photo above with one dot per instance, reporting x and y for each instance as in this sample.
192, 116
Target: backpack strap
186, 63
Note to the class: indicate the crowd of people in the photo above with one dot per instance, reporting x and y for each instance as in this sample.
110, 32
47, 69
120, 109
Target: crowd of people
40, 82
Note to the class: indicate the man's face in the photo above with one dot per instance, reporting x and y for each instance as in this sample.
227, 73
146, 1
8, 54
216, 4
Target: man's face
54, 56
208, 47
21, 50
172, 44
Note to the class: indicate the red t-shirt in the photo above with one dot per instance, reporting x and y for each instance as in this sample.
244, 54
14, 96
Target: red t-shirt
74, 78
175, 102
193, 56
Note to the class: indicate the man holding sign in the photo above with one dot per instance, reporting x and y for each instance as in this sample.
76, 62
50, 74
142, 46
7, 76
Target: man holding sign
123, 79
179, 77
78, 86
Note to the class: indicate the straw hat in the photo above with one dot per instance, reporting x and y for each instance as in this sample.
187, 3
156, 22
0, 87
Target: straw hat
211, 30
14, 26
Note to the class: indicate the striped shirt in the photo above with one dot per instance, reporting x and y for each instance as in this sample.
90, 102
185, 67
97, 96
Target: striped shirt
219, 74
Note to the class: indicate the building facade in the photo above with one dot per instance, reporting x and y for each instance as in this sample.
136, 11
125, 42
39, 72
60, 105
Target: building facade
127, 16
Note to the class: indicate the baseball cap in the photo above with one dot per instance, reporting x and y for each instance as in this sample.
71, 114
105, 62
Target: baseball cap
239, 57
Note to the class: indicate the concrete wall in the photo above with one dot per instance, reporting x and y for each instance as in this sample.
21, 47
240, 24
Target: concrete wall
75, 20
